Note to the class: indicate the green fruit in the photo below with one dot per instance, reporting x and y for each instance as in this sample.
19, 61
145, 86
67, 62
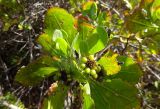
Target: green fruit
95, 76
95, 68
98, 68
83, 66
87, 70
91, 57
93, 72
84, 59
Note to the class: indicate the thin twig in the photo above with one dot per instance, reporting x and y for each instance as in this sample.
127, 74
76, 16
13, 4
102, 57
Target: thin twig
151, 71
105, 5
10, 106
126, 45
99, 54
30, 46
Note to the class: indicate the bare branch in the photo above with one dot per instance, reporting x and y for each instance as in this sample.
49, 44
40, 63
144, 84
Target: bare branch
99, 54
10, 106
151, 71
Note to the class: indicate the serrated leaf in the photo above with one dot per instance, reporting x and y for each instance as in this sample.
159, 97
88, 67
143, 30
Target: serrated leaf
114, 95
56, 100
110, 65
58, 18
130, 71
36, 71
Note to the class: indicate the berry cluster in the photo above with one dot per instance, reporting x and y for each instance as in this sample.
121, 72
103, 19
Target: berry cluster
89, 66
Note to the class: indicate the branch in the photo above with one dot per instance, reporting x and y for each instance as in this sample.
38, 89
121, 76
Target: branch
99, 54
151, 71
10, 106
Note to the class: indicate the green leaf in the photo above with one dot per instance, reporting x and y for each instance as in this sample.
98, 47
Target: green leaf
57, 34
110, 65
153, 43
36, 71
103, 18
138, 21
62, 45
58, 18
56, 101
46, 42
98, 40
85, 30
90, 39
130, 71
155, 10
80, 41
151, 39
90, 9
114, 95
83, 46
51, 46
76, 72
88, 102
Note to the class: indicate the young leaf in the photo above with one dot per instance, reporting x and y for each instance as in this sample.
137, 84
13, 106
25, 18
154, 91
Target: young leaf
62, 45
110, 65
56, 101
36, 71
58, 18
114, 95
57, 34
50, 46
88, 102
130, 71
